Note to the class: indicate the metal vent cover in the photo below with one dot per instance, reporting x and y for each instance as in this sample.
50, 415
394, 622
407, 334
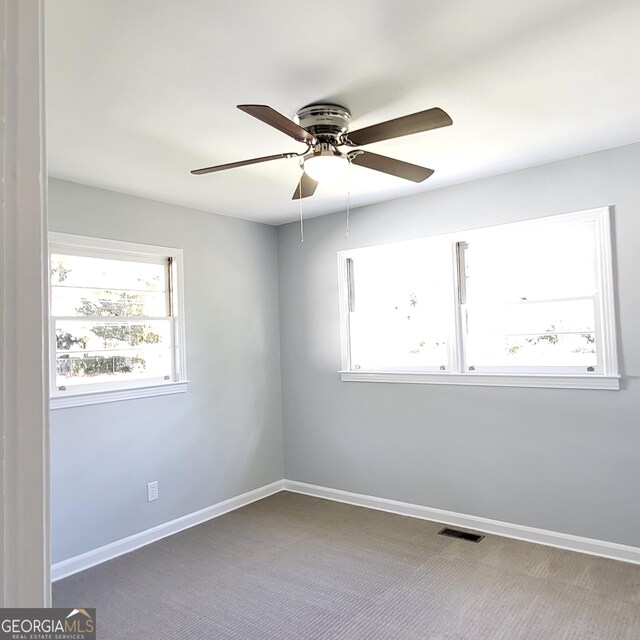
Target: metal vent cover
461, 535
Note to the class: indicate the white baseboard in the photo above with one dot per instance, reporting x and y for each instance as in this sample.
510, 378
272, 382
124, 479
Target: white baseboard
567, 541
79, 563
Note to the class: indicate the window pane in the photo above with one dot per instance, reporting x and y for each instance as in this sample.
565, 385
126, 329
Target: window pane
110, 351
402, 307
543, 351
104, 273
76, 301
537, 263
78, 335
382, 341
530, 295
565, 316
76, 367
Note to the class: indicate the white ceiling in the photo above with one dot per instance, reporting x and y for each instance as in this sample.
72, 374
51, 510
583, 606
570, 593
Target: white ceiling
141, 91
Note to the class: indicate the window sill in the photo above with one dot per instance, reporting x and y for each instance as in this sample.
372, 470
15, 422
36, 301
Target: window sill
548, 381
115, 395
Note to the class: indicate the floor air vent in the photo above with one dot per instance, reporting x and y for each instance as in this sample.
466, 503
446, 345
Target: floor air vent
462, 535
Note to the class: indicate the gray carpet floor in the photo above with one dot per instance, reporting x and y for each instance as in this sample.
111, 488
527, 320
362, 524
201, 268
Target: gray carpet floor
295, 567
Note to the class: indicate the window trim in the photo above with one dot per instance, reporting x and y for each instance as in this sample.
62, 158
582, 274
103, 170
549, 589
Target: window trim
608, 378
127, 390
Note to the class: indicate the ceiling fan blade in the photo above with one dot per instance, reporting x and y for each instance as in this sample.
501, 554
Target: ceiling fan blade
391, 166
306, 187
242, 163
278, 121
414, 123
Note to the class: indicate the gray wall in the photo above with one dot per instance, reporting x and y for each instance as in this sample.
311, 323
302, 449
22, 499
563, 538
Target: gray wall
565, 460
224, 436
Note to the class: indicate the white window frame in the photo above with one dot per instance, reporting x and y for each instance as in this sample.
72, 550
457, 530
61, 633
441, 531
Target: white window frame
97, 393
607, 376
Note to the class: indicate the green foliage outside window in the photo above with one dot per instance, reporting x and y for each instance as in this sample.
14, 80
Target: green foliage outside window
125, 305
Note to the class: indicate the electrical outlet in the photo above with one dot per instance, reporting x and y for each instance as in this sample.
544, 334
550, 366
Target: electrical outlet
152, 491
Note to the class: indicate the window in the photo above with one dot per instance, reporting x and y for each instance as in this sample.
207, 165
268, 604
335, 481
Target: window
522, 304
116, 327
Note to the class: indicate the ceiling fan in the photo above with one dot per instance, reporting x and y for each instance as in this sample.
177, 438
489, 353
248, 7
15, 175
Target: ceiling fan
324, 128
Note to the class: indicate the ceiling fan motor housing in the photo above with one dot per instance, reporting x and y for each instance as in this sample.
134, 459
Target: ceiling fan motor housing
327, 122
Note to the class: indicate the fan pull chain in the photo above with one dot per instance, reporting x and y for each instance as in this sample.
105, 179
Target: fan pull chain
301, 221
346, 233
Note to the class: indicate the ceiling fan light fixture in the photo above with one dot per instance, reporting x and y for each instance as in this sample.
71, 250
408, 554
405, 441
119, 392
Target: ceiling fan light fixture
325, 165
